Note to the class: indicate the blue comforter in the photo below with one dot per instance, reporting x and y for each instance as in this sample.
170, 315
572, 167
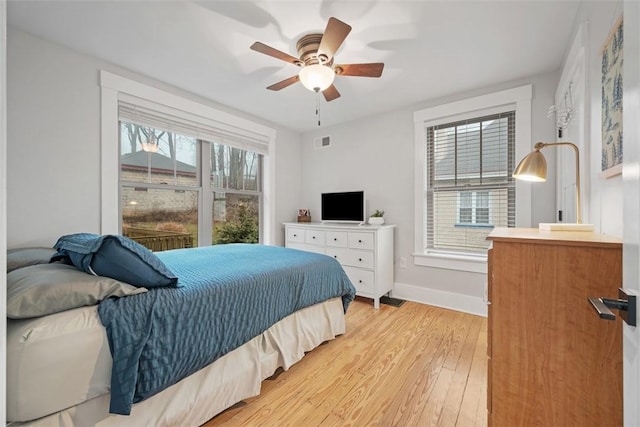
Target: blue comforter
228, 294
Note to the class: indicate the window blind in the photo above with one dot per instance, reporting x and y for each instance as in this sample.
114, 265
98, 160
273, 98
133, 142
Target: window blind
147, 113
469, 185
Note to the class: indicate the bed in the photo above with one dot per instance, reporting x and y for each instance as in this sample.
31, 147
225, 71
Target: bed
182, 353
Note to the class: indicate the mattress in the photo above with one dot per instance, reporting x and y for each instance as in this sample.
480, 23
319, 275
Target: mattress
55, 361
58, 368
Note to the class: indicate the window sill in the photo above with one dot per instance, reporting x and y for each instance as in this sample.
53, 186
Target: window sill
452, 261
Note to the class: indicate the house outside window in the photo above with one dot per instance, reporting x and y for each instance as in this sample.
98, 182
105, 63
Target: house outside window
459, 174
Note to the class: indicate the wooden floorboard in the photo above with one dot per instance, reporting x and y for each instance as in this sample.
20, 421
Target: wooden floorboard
413, 365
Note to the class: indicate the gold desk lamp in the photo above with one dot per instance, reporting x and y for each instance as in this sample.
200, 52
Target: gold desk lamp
533, 167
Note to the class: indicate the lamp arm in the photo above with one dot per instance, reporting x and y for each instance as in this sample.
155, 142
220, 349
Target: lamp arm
541, 145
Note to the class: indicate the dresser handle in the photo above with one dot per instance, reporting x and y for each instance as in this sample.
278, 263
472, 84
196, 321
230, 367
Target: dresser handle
360, 259
359, 241
313, 237
295, 235
359, 281
335, 239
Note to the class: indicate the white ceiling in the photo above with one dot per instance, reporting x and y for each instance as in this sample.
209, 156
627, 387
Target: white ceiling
430, 48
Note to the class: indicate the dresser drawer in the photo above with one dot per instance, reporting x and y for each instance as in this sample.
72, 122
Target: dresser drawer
295, 235
308, 248
352, 257
314, 237
337, 239
363, 280
361, 240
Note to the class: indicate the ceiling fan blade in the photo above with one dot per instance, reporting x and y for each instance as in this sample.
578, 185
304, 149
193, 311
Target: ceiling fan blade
331, 93
360, 70
286, 82
268, 50
333, 36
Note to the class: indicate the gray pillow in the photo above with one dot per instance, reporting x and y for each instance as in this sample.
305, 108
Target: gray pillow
44, 289
24, 257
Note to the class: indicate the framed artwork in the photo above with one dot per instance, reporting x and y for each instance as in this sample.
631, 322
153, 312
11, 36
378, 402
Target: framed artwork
612, 56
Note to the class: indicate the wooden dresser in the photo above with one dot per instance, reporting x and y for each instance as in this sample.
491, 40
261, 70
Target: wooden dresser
551, 360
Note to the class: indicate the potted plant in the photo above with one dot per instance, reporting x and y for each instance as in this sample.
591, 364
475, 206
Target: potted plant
376, 218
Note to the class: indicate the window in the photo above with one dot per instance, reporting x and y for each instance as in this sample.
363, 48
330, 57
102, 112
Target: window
160, 189
465, 153
481, 207
473, 208
178, 174
469, 166
236, 182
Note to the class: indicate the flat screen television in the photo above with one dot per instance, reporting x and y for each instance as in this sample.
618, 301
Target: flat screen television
343, 207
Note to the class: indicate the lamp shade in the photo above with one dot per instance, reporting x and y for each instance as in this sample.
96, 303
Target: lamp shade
533, 167
317, 77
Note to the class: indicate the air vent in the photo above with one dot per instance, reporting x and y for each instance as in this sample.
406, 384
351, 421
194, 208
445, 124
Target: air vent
322, 142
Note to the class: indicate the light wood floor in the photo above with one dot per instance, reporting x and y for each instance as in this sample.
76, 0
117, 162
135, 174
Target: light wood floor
414, 365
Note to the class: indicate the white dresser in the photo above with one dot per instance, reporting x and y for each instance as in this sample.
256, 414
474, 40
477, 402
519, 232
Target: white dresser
364, 251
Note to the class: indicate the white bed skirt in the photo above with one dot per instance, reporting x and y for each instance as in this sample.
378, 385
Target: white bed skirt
230, 379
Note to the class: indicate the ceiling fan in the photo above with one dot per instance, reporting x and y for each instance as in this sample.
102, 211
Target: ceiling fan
316, 53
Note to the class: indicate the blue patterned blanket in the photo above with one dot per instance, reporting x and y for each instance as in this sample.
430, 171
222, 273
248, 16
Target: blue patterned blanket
229, 294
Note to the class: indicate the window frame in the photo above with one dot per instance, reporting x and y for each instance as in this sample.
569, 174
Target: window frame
259, 191
517, 99
112, 87
203, 173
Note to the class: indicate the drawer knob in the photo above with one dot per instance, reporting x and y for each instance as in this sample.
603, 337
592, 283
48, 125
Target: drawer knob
314, 237
360, 259
335, 256
359, 281
295, 235
359, 241
335, 239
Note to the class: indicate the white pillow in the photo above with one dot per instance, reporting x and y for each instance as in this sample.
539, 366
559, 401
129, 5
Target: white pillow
24, 257
43, 289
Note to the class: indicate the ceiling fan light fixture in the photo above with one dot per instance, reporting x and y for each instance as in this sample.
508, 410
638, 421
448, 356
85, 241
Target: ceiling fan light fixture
150, 145
316, 77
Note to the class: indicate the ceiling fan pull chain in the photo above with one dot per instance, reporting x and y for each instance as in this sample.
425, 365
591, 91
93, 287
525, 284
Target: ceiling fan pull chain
318, 106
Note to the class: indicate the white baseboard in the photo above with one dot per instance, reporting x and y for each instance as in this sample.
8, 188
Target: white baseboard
458, 302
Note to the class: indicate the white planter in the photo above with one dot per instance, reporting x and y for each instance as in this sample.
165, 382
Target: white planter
376, 220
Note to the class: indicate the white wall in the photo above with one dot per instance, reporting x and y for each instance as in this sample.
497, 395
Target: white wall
376, 154
631, 252
605, 196
53, 173
3, 212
